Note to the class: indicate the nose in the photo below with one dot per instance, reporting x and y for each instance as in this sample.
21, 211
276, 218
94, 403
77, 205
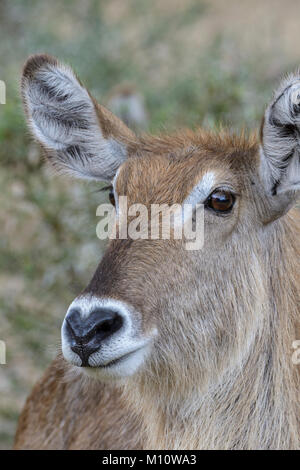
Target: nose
86, 334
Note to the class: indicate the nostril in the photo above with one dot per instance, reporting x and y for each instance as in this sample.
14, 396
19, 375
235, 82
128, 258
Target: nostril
97, 326
107, 326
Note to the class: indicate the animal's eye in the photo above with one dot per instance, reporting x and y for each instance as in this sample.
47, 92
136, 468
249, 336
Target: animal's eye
111, 197
221, 201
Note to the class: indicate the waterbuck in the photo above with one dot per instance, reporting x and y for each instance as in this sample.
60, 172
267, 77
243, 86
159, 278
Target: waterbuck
169, 348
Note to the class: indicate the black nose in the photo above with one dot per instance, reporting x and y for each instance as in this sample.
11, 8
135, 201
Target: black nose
86, 335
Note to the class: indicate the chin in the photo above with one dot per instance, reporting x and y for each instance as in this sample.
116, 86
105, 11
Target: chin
118, 370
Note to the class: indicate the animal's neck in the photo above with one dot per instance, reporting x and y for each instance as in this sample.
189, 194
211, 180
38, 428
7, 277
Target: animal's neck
252, 404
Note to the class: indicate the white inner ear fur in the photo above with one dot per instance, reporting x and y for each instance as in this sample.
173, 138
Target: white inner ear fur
63, 118
280, 150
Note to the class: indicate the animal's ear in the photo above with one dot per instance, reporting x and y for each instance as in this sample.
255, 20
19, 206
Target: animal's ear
280, 142
80, 137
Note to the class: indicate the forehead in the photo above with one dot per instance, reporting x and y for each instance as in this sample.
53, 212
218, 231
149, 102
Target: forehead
166, 169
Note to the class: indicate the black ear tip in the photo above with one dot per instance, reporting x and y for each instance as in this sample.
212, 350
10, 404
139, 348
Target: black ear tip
35, 62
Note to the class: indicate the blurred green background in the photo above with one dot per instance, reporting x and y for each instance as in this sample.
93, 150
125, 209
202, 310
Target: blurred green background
187, 63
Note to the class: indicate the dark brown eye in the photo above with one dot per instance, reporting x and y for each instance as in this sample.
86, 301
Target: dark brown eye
111, 198
221, 201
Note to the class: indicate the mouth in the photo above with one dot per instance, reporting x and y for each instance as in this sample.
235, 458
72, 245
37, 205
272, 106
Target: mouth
119, 368
117, 360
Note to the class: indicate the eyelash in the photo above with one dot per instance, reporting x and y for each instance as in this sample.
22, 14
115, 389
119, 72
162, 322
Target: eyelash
106, 188
110, 194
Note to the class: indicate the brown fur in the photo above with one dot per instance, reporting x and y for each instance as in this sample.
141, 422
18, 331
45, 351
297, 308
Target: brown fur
220, 373
79, 429
251, 407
